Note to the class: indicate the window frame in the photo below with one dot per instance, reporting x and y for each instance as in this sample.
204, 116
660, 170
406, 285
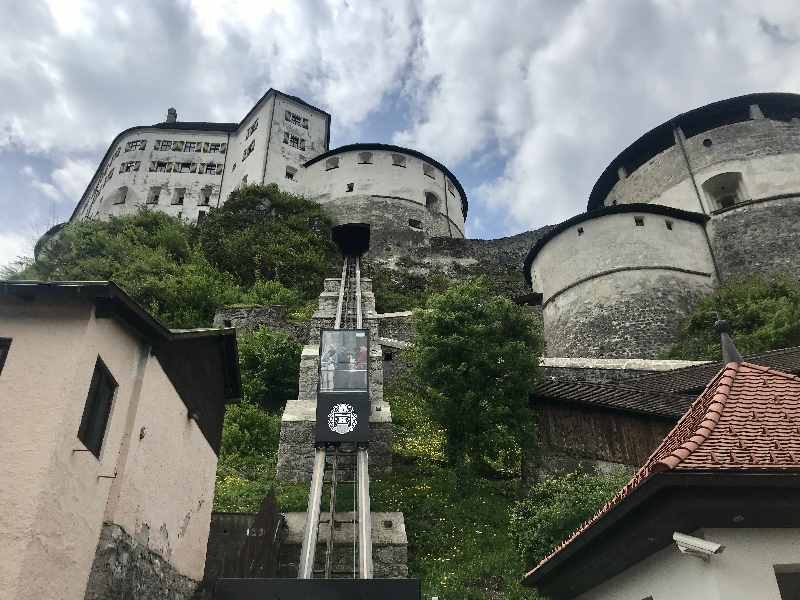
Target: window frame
92, 433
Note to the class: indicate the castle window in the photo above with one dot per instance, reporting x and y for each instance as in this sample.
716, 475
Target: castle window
431, 202
398, 160
451, 188
332, 163
414, 223
205, 196
290, 173
223, 148
127, 167
639, 221
668, 223
213, 169
201, 216
116, 152
251, 129
580, 231
177, 146
153, 195
5, 346
350, 187
187, 167
365, 158
249, 150
136, 145
294, 141
725, 190
178, 196
162, 145
296, 119
707, 142
428, 170
97, 409
122, 194
388, 356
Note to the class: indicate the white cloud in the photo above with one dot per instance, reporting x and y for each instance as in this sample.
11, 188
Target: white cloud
72, 177
14, 246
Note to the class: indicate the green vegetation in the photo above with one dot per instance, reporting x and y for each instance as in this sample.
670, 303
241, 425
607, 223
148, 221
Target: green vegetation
183, 273
404, 288
270, 367
477, 358
556, 507
764, 313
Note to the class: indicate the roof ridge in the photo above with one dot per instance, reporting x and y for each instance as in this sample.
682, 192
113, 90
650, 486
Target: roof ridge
707, 424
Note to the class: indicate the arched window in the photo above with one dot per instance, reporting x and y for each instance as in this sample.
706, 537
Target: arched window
432, 202
725, 190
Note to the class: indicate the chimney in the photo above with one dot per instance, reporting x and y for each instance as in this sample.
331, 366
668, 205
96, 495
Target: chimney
729, 352
172, 115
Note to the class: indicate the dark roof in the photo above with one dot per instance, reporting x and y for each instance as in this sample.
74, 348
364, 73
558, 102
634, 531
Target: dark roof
619, 397
391, 148
777, 106
653, 209
202, 364
746, 422
693, 379
202, 126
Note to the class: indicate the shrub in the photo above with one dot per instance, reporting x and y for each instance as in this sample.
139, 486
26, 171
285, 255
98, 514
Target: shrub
270, 367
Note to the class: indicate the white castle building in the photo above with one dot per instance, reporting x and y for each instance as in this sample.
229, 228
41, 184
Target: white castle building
184, 168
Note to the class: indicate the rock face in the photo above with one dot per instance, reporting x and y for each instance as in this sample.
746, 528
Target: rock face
123, 568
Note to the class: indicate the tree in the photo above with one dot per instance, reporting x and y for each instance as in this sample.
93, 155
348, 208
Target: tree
556, 507
764, 313
270, 367
477, 355
262, 233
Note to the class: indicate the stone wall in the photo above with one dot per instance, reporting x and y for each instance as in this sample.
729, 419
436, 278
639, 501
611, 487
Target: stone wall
758, 237
125, 568
274, 317
640, 319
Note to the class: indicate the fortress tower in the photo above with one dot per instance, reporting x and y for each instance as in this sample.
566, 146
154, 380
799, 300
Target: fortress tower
708, 195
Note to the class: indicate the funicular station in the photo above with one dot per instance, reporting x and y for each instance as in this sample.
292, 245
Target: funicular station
341, 433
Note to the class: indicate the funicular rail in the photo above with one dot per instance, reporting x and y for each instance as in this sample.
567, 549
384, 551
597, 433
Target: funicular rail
349, 315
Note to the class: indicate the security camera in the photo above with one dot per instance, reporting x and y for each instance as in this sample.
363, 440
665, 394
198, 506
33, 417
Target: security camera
695, 546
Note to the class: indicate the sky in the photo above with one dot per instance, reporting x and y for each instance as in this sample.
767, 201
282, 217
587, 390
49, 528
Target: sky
526, 102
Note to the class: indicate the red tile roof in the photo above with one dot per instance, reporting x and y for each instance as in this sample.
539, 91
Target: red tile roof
746, 420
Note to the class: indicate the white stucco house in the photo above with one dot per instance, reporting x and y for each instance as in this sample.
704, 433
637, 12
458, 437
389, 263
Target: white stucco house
110, 430
729, 473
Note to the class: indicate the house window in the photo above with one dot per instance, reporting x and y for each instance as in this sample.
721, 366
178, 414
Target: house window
179, 195
205, 196
414, 223
153, 195
294, 141
428, 170
251, 129
97, 409
290, 172
248, 150
350, 187
332, 163
431, 202
639, 221
5, 345
398, 160
296, 119
725, 190
365, 158
122, 194
788, 577
668, 224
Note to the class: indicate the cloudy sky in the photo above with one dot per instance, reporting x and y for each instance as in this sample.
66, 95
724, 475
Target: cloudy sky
525, 101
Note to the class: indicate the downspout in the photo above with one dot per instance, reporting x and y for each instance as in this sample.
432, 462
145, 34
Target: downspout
269, 137
678, 134
224, 166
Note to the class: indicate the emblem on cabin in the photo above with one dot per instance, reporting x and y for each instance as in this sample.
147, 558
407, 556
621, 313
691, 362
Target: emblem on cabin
342, 419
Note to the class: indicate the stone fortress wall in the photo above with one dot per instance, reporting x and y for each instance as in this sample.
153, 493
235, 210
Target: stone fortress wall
709, 195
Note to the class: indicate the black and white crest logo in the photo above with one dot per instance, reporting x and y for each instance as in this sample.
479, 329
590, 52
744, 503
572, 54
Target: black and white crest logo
342, 419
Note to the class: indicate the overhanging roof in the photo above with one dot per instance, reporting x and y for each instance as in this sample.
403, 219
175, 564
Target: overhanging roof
202, 364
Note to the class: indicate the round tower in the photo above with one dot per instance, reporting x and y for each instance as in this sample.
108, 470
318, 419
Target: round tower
735, 160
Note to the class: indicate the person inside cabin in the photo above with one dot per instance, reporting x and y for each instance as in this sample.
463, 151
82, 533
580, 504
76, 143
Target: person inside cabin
327, 367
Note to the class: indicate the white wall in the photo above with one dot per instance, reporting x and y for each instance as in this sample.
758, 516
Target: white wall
383, 178
744, 571
54, 503
615, 241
